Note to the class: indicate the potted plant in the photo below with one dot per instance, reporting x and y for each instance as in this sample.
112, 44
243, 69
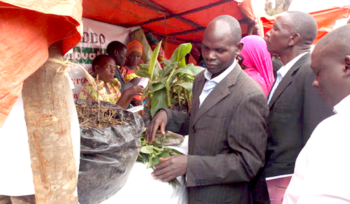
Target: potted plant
170, 87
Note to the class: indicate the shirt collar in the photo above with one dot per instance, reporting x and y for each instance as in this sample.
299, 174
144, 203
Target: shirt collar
283, 70
220, 77
343, 105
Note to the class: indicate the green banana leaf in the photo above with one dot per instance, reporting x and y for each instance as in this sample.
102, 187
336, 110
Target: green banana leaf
166, 70
156, 87
158, 101
179, 54
187, 85
142, 73
144, 67
188, 69
154, 61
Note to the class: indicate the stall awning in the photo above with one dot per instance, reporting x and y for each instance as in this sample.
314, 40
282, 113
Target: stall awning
325, 20
180, 20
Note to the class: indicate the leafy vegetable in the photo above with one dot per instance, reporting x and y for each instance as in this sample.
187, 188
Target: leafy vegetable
151, 153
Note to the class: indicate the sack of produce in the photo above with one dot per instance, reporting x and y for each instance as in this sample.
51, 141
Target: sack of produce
110, 144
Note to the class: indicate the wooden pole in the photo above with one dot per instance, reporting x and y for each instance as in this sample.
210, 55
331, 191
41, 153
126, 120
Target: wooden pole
48, 126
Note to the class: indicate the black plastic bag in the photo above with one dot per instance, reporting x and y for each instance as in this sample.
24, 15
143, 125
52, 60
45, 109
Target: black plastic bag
107, 155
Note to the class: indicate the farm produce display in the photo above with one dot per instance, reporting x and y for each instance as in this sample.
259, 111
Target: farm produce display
110, 144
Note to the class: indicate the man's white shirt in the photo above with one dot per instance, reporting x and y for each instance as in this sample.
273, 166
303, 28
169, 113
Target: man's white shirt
282, 72
322, 168
210, 84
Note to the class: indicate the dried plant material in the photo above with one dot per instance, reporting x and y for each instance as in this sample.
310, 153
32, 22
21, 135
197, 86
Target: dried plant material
110, 144
100, 115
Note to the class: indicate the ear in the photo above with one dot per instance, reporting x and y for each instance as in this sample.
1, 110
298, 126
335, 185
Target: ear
294, 39
97, 68
347, 66
115, 53
239, 48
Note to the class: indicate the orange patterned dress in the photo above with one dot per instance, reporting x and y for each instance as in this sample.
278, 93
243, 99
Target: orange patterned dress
88, 92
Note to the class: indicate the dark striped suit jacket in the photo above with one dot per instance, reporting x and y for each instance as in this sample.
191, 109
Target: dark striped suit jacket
227, 139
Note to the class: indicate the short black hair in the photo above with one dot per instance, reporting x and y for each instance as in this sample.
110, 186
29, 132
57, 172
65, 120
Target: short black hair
115, 45
99, 59
234, 25
304, 24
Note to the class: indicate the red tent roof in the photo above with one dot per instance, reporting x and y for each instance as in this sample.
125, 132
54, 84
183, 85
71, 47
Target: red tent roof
325, 20
179, 20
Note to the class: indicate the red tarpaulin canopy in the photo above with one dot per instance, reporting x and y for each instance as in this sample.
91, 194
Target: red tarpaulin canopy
325, 20
177, 21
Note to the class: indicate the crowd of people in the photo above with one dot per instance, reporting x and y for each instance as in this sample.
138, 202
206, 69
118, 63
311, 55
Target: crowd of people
248, 125
245, 144
254, 136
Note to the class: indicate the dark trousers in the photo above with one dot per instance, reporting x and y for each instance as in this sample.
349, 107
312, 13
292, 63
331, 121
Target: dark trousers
259, 189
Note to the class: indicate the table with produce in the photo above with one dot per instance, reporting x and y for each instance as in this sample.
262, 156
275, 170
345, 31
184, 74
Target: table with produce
116, 162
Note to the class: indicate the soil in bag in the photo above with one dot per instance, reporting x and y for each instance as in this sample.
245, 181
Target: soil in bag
110, 144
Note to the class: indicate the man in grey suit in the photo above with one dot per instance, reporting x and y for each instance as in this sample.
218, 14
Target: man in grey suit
295, 107
226, 126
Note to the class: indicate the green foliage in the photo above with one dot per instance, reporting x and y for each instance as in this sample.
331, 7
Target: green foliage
174, 81
158, 100
151, 153
152, 66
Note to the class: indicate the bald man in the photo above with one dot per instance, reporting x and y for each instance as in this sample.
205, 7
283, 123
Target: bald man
295, 107
226, 127
322, 168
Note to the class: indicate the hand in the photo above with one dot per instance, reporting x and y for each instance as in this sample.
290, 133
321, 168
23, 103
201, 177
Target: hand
160, 119
134, 90
170, 168
135, 102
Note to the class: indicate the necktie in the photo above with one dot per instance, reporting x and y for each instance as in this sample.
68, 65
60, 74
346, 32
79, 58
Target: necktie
208, 87
278, 80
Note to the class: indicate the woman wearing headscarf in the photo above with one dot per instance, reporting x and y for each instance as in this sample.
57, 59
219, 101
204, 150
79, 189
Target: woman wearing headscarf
134, 52
108, 87
256, 61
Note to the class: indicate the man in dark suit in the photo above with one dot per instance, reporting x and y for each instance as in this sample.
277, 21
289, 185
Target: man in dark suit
295, 106
226, 126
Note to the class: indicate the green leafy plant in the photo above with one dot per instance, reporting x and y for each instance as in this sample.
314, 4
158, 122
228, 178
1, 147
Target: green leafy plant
171, 86
150, 153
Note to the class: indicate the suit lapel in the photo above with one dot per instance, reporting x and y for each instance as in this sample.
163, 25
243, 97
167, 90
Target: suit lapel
287, 79
217, 94
196, 95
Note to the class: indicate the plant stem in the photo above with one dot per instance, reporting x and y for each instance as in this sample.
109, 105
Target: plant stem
178, 96
167, 86
186, 99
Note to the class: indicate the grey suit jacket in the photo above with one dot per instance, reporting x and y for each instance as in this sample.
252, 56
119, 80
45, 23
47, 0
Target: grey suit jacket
295, 110
227, 139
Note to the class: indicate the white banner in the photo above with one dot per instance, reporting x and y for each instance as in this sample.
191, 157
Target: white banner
96, 36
